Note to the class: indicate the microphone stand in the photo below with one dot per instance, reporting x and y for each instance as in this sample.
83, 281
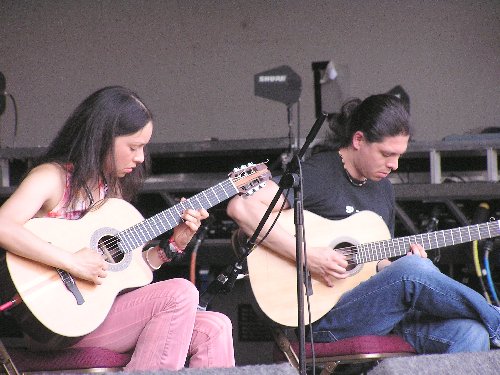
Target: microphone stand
291, 179
225, 280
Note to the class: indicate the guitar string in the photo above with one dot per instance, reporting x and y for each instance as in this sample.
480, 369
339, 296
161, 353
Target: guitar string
482, 230
402, 243
114, 239
358, 249
353, 250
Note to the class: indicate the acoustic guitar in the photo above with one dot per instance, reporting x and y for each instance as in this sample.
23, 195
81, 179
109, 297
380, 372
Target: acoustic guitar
363, 237
117, 231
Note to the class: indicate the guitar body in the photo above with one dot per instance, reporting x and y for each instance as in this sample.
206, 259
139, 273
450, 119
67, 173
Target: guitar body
273, 278
42, 289
72, 308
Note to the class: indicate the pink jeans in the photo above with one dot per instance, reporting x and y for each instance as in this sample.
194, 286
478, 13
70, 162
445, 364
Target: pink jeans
162, 326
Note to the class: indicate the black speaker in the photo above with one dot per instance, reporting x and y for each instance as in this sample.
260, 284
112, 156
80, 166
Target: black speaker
253, 342
482, 363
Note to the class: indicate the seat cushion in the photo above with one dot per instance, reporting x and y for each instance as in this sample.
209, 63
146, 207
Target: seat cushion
354, 345
67, 359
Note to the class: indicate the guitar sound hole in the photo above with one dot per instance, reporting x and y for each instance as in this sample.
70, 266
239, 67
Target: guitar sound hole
108, 248
349, 250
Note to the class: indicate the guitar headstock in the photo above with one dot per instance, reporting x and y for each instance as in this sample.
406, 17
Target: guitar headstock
250, 178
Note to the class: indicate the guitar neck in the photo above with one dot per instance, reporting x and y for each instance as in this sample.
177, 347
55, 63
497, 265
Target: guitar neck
374, 251
139, 234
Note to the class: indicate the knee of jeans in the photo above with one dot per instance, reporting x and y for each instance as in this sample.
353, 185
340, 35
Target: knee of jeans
413, 263
221, 322
473, 338
214, 324
480, 336
182, 290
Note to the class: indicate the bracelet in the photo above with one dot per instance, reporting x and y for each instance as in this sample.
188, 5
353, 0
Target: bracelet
149, 263
161, 254
169, 249
376, 267
172, 242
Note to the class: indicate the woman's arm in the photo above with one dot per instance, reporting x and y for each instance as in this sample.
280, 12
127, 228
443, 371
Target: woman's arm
37, 194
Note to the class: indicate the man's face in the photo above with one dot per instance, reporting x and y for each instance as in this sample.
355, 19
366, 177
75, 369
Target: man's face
376, 160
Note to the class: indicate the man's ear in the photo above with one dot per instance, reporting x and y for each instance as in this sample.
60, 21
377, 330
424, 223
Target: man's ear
357, 139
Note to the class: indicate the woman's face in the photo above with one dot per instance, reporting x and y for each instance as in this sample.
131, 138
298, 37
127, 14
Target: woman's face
129, 149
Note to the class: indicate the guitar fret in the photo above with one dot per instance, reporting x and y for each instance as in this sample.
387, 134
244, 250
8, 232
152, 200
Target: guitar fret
158, 229
135, 233
205, 196
400, 246
489, 233
160, 226
360, 256
224, 189
124, 243
200, 205
373, 248
140, 233
444, 238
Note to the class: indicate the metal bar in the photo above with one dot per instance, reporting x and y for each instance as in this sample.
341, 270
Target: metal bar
4, 169
492, 164
435, 166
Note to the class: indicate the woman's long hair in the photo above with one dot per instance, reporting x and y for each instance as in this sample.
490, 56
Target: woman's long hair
86, 142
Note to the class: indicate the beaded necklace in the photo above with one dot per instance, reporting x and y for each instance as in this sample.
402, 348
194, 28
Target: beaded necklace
351, 179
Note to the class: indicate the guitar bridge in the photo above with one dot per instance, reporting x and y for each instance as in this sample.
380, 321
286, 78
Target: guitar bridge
70, 284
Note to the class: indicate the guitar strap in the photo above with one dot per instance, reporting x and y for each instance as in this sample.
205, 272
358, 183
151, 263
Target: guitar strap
89, 195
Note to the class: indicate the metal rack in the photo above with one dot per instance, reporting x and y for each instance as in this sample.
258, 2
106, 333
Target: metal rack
427, 183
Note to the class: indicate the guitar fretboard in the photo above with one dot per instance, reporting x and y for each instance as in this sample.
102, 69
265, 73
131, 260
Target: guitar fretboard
373, 251
137, 235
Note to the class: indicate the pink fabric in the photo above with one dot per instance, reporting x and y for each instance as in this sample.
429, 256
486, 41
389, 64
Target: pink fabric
212, 341
61, 211
160, 323
67, 359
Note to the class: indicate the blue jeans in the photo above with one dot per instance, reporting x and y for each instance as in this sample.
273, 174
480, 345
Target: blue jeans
413, 299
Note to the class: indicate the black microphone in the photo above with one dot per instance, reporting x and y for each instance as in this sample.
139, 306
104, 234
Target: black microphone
2, 93
481, 214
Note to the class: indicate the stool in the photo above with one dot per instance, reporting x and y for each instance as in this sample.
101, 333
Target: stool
17, 360
352, 350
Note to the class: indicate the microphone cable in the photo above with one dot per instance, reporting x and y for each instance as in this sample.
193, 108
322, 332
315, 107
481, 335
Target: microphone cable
481, 215
479, 270
488, 247
200, 236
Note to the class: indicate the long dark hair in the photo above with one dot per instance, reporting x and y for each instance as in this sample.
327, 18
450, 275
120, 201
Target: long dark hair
86, 141
378, 116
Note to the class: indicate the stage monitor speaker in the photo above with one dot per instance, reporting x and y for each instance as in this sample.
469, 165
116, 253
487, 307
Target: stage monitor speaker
275, 369
253, 342
481, 363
